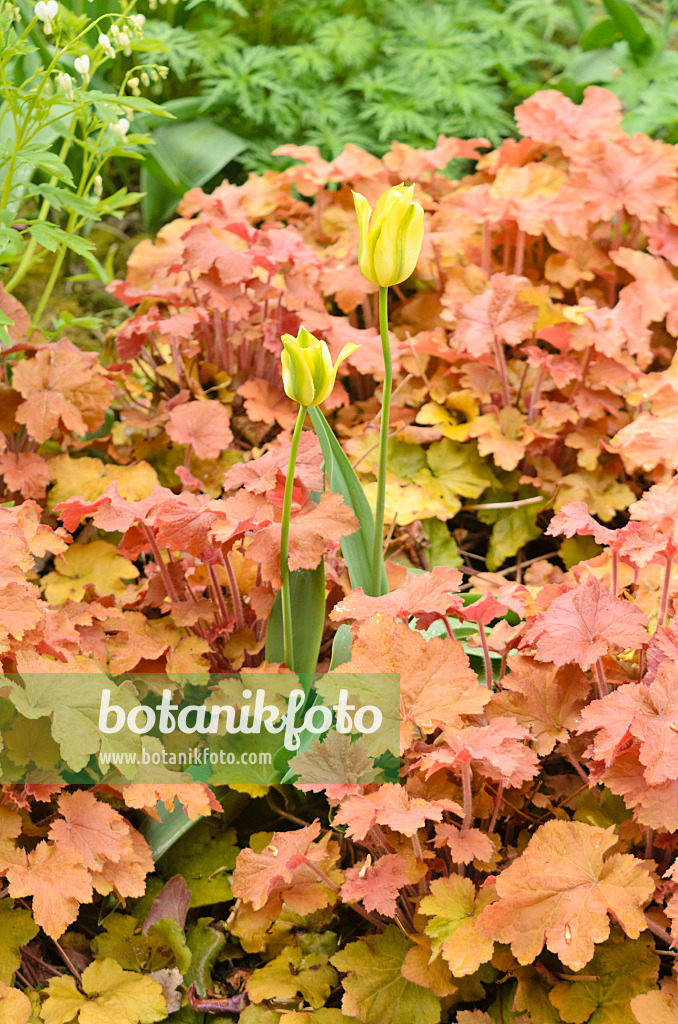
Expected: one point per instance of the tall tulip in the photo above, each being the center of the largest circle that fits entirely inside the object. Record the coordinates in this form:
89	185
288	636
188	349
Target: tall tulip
390	238
308	378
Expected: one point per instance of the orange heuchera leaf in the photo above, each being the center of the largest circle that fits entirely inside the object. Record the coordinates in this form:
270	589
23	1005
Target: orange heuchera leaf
203	425
256	874
648	441
464	844
20	609
392	806
637	174
261	475
126	876
654	806
658	507
659	1006
574	519
495	313
96	830
582	624
56	878
26	472
551	117
62	385
427	595
310	529
649	714
377	886
197	799
437	684
498	750
560	890
542	698
264	403
111	512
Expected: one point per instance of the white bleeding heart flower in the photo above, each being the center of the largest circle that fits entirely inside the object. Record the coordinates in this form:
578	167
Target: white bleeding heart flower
46	12
106	45
65	82
121	127
82	67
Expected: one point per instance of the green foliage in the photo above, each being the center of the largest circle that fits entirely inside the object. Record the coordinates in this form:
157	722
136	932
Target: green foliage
631	51
360	71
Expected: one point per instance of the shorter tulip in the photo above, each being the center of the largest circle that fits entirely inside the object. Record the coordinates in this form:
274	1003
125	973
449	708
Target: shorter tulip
308	374
390	235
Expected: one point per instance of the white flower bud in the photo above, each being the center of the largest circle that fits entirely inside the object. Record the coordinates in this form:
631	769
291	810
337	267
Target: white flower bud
98	185
82	67
121	127
133	86
65	82
163	70
115	31
46	13
138	20
145	80
105	44
124	41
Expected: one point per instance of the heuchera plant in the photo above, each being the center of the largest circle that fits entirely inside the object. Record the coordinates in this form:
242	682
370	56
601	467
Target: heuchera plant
525	868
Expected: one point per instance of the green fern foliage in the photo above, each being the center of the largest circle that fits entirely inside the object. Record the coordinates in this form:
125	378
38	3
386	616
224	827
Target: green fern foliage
328	72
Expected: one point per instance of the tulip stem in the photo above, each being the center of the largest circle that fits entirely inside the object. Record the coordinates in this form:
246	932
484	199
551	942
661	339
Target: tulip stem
285	537
377	550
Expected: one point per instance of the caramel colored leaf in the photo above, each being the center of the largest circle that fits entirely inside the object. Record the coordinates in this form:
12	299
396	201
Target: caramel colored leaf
56	879
559	892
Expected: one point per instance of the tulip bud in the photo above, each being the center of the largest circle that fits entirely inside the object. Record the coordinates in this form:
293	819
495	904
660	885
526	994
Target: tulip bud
308	374
390	235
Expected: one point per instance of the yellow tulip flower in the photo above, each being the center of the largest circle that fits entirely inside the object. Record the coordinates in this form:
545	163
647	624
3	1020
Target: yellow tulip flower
308	374
390	235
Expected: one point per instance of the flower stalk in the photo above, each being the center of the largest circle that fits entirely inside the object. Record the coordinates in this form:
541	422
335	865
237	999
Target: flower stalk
285	537
378	545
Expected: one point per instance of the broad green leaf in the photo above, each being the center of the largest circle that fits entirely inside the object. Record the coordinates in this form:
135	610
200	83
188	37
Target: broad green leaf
512	527
122	941
453	907
205	944
375	990
162	835
442	547
630	26
459	469
292	973
204	856
341	646
186	155
17	927
356	548
110	994
620	970
307	593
